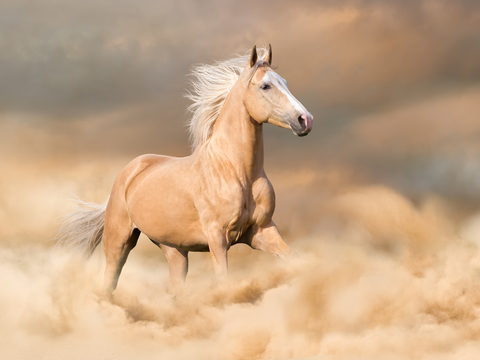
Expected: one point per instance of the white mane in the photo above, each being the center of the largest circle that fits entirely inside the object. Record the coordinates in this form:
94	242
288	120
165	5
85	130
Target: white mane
209	89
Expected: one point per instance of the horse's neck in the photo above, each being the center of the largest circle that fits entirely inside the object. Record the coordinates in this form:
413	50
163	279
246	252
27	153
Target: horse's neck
238	138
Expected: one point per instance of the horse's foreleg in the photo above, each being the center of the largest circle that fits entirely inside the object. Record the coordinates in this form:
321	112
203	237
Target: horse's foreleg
217	243
177	265
269	240
117	245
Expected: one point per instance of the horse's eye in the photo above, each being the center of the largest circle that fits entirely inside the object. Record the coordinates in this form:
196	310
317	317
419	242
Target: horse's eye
265	87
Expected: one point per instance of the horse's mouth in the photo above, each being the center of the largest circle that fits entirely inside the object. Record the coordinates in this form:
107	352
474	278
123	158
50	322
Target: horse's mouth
301	134
305	133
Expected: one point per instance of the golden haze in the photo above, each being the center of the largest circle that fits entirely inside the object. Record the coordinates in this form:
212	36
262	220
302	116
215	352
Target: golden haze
381	200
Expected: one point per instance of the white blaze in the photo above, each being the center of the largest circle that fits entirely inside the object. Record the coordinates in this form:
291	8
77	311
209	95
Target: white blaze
280	83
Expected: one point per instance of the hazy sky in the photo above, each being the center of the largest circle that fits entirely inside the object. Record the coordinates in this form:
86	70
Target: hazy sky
107	77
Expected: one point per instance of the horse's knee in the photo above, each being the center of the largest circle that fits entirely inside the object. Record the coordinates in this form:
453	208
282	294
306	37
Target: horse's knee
268	239
120	242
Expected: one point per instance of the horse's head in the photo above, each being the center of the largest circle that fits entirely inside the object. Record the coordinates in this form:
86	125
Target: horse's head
268	99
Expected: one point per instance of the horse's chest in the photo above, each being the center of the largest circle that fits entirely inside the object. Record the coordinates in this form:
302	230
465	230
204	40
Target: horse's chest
238	225
256	206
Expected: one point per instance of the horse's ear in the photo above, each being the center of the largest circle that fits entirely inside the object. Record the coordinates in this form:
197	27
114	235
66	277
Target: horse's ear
269	55
253	57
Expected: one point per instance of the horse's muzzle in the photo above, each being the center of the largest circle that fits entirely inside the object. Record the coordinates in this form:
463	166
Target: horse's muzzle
305	123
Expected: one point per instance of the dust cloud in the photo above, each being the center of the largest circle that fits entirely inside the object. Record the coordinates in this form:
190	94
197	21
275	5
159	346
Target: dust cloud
379	277
385	271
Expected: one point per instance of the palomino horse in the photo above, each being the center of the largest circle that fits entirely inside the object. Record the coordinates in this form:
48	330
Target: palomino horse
216	197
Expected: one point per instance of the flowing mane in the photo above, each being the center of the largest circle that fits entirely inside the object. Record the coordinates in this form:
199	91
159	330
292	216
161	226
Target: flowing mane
209	89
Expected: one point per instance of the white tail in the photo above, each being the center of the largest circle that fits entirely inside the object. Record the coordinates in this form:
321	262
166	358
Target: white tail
82	229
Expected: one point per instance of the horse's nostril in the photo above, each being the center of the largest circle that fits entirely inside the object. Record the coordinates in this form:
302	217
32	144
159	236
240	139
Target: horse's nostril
301	121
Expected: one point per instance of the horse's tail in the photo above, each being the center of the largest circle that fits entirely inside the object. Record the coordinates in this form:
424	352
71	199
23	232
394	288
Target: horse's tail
82	229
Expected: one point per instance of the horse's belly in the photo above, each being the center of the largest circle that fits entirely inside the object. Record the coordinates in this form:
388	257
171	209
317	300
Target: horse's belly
168	218
178	233
169	226
183	241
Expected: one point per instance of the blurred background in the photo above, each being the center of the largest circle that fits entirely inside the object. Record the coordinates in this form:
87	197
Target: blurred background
391	167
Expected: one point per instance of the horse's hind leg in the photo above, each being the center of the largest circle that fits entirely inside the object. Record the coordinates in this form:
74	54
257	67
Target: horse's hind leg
117	244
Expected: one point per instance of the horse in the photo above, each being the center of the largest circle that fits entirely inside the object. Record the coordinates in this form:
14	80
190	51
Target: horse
214	198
